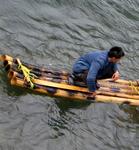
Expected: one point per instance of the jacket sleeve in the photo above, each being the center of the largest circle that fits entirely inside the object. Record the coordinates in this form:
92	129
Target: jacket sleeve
92	74
116	67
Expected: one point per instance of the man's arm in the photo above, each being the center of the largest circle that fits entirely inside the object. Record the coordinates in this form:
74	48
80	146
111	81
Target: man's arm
92	74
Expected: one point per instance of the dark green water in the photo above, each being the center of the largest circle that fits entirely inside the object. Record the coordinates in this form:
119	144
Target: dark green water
55	33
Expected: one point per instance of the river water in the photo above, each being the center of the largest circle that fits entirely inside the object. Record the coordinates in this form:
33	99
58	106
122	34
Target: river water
54	33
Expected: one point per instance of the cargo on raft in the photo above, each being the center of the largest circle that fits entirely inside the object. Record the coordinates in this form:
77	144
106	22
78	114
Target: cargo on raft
58	84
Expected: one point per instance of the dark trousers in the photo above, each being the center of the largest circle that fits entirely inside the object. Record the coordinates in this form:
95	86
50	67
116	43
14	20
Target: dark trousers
81	77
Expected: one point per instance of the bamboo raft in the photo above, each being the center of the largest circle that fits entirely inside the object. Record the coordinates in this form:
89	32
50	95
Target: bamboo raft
56	83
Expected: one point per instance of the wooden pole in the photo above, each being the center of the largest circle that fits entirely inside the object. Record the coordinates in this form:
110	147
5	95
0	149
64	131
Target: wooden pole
103	83
106	90
7	58
78	95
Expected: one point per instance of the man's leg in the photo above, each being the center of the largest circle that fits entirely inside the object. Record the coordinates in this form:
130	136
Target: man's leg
80	78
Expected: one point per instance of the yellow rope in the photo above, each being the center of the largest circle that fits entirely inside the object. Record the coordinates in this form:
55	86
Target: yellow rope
134	88
26	72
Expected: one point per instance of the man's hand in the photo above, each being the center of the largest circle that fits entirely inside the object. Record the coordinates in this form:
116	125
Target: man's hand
94	94
116	76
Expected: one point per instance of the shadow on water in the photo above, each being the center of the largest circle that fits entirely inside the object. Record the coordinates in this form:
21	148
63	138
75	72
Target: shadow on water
66	104
65	116
133	112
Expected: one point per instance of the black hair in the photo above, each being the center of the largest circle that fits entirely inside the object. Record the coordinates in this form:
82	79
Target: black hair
116	52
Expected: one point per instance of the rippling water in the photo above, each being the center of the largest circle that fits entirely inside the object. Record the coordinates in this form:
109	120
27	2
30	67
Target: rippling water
55	33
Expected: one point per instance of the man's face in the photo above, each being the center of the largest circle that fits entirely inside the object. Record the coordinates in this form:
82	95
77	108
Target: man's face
114	59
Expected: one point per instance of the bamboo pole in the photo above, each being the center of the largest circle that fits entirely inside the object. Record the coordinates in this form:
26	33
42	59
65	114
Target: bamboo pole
12	74
103	83
119	94
42	73
77	88
102	90
78	95
111	90
7	58
122	81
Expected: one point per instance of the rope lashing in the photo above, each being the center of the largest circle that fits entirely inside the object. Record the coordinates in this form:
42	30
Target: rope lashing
133	87
28	76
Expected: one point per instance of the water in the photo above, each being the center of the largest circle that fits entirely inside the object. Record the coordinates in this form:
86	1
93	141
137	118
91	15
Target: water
55	33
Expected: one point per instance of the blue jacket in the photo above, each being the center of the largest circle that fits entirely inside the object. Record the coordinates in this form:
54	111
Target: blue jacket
97	64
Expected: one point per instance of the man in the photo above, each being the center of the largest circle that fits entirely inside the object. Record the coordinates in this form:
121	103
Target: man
97	65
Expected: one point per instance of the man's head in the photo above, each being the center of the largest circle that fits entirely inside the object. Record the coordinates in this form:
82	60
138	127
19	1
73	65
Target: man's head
115	54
